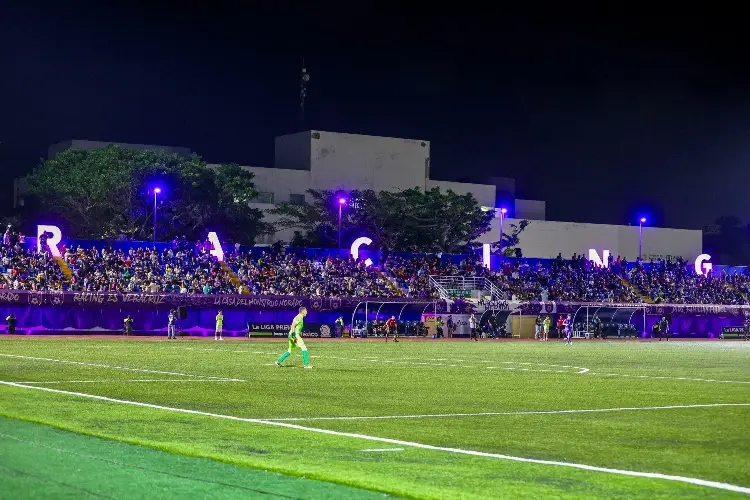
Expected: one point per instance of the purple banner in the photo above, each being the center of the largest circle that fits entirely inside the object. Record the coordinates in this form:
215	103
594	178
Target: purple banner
169	301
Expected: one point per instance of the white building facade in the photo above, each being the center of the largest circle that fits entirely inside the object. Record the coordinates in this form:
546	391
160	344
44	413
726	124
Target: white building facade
547	239
346	162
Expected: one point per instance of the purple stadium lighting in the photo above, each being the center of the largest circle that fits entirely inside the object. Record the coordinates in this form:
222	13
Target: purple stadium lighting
342	202
641	221
157	191
503	211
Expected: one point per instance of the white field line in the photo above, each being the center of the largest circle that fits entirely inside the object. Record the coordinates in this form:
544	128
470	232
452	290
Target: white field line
99	365
398	442
660	377
406	362
117	381
383	449
581	370
492	413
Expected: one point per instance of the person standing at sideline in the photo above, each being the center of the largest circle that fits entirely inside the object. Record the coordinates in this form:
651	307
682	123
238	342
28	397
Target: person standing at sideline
538	328
339	326
545	327
170	325
128	325
568	328
219	326
391	328
11	319
473	327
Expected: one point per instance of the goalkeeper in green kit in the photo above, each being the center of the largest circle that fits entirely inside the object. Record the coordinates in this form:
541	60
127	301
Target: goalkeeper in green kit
295	339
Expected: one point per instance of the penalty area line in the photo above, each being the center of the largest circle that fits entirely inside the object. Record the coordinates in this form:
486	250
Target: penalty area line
492	413
117	381
398	442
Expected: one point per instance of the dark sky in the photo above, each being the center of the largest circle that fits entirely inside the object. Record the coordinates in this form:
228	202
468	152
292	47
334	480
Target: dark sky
604	115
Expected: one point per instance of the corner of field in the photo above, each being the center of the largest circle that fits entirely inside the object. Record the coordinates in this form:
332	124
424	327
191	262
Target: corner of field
187	452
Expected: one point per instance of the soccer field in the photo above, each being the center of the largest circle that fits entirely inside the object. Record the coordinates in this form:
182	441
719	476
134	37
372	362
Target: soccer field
493	419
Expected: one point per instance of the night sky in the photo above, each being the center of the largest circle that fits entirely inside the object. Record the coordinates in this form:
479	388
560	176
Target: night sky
606	117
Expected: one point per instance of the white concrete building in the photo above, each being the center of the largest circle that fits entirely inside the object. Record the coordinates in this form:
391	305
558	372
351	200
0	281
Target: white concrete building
546	239
334	161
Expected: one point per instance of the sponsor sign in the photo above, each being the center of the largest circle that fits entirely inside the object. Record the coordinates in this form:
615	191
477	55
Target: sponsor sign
732	332
311	330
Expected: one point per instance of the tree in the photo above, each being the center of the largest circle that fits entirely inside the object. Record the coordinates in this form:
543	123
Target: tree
406	220
511	241
444	222
316	222
104	193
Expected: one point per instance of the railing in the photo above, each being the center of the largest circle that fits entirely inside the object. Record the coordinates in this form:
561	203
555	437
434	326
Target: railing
441	290
495	292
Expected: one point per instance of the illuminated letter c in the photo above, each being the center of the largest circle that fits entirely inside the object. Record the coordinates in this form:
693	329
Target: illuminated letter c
355	248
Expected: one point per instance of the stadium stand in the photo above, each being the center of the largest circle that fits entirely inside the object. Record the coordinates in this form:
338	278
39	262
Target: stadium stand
186	268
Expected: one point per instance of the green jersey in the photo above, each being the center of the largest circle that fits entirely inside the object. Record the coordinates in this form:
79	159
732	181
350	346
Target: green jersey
297	326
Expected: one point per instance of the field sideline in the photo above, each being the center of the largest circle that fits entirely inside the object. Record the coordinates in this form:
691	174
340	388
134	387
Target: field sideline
414	419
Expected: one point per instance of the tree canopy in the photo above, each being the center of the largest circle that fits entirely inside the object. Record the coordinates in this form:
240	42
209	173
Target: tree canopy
108	192
409	220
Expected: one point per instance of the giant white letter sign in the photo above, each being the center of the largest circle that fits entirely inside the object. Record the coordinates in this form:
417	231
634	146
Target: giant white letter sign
52	241
355	248
217	252
594	257
702	268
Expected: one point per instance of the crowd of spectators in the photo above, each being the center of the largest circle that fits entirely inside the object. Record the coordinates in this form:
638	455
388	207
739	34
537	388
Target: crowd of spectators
412	274
278	273
577	279
190	269
675	282
22	270
142	270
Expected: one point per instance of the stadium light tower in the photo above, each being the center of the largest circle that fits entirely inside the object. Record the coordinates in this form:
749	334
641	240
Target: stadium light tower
641	221
342	202
503	211
157	191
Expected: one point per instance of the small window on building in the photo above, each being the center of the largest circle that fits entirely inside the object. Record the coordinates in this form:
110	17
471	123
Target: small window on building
297	199
264	197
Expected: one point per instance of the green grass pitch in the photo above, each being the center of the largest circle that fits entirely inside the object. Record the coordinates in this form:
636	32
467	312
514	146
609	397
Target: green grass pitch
208	419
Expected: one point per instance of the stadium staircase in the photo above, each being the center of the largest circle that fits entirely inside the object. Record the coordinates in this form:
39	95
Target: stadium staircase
645	298
67	273
392	282
234	279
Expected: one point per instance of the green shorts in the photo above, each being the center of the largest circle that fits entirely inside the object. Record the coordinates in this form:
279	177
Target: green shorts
299	343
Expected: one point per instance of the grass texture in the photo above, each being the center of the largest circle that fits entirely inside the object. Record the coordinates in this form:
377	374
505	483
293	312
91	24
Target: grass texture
246	416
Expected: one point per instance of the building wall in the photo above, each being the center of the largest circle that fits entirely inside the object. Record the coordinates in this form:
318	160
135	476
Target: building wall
292	151
530	209
350	161
545	239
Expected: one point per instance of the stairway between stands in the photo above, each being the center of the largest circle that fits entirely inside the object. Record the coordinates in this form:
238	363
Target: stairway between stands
235	280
